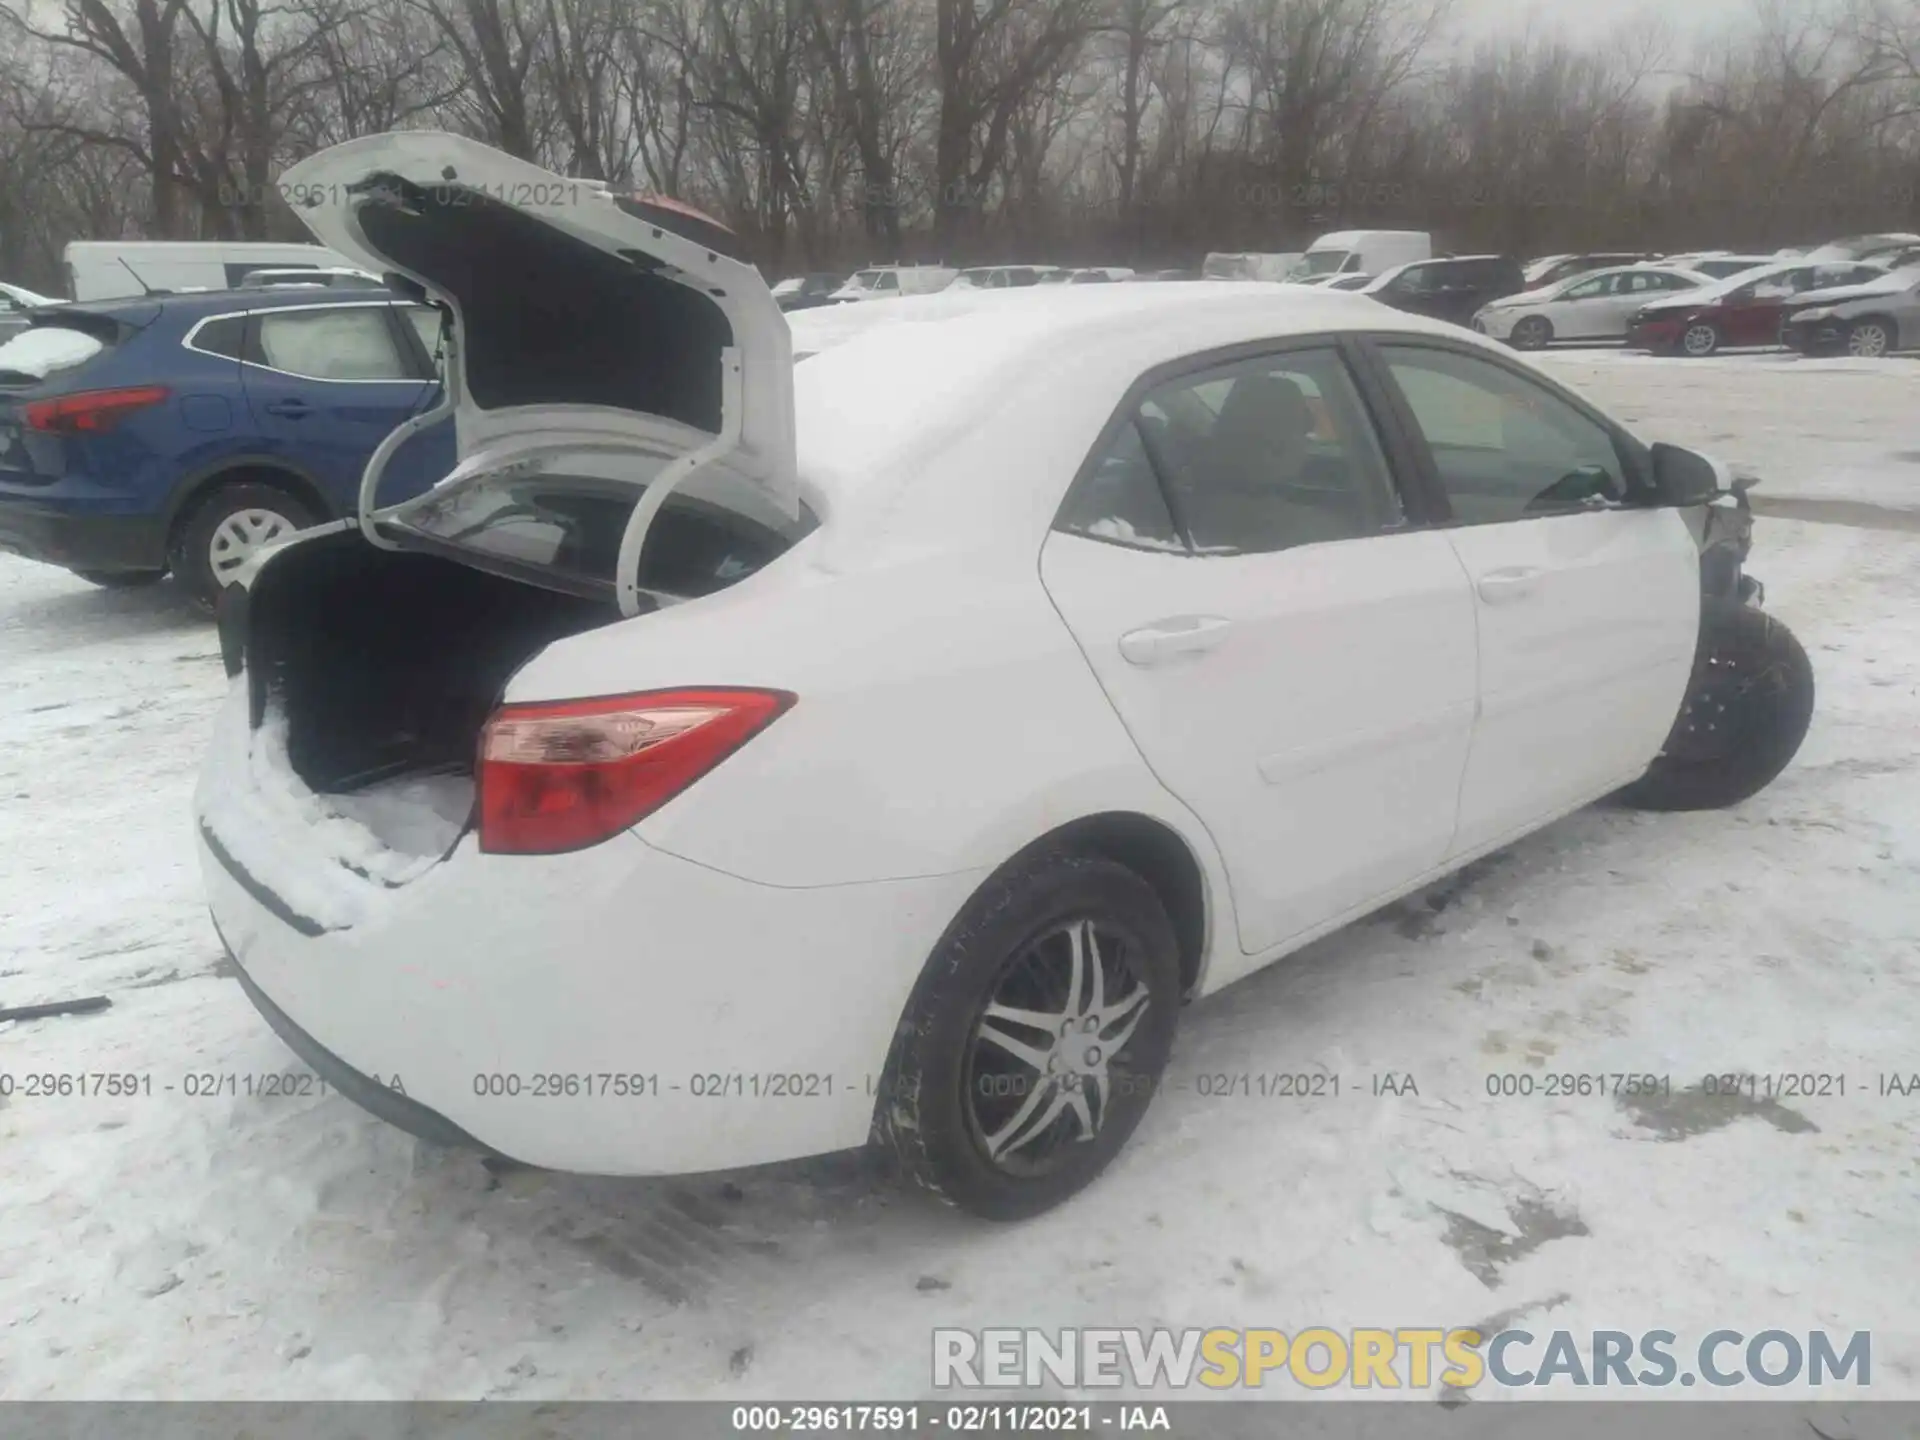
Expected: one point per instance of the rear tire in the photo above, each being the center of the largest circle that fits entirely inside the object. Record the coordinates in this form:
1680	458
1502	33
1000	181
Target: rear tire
226	527
1533	333
964	1116
121	579
1749	703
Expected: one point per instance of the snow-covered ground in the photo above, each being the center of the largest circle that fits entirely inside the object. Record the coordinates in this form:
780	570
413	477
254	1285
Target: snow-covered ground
156	1245
1839	429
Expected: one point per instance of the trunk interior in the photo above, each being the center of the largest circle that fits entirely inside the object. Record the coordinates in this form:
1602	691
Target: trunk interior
385	666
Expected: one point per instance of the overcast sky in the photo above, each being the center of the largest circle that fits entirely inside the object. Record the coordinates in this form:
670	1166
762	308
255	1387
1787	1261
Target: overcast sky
1585	19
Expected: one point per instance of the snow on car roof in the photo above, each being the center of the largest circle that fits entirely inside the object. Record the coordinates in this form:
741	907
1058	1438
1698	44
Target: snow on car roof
884	390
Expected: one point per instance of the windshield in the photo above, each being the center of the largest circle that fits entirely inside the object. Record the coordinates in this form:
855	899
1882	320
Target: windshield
1323	262
864	280
791	286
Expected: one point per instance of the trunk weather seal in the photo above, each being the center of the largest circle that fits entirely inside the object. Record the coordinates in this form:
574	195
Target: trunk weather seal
268	901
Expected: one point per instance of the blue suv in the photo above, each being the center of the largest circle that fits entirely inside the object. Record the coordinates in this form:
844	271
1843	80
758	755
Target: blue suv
179	433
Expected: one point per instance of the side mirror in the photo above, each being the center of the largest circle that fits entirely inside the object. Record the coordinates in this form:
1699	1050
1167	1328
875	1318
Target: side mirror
1683	478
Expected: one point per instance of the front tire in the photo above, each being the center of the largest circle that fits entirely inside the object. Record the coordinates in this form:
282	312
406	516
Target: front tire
1749	703
1533	333
1035	1038
1870	339
227	528
1700	339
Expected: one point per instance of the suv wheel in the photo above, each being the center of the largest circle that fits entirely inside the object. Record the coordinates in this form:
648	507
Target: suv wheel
227	529
1035	1038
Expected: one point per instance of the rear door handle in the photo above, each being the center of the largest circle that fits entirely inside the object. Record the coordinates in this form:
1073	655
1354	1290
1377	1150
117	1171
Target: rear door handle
1169	639
1497	587
290	409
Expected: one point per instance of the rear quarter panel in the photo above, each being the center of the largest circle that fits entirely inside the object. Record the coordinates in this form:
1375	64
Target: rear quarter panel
945	719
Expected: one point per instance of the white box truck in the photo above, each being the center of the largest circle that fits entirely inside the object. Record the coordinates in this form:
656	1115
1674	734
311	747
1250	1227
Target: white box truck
1365	252
110	269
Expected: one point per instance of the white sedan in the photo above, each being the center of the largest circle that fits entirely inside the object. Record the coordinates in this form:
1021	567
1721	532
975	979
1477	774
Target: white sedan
1596	305
734	760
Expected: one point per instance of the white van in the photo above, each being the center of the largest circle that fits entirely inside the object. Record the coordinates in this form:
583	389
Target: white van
885	282
1270	265
1365	252
110	269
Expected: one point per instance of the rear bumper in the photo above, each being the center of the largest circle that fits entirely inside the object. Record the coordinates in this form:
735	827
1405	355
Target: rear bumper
614	1011
81	541
378	1098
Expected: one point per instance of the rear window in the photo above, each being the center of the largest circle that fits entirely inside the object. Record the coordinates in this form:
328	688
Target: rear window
45	350
570	526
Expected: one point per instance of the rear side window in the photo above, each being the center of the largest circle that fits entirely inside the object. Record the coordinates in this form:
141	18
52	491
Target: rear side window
1121	500
346	344
225	337
1250	458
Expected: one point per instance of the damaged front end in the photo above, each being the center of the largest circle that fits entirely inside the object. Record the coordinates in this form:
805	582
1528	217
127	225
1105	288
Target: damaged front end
1725	534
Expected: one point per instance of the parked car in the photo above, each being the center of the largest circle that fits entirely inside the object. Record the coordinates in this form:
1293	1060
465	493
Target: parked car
1869	320
1742	310
687	784
803	292
888	282
1273	265
1159	275
1552	269
1589	305
1864	247
1001	277
181	433
15	302
1718	264
1453	289
1087	275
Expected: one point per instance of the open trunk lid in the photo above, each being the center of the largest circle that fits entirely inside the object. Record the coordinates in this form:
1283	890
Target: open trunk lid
591	334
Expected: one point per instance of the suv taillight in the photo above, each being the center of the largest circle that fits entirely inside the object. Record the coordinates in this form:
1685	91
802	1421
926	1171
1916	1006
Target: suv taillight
563	775
91	411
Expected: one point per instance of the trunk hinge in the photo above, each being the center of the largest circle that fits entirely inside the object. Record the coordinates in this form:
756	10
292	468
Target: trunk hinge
634	539
364	513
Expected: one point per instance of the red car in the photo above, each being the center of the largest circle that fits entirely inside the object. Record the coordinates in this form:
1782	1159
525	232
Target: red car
1744	309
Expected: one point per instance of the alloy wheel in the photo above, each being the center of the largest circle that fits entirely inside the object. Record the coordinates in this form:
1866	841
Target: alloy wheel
1048	1048
238	537
1700	340
1868	340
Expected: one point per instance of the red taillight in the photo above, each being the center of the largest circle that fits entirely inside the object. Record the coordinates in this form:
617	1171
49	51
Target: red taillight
92	411
567	774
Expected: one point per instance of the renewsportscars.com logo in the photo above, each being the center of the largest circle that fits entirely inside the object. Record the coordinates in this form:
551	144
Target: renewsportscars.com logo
1320	1358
